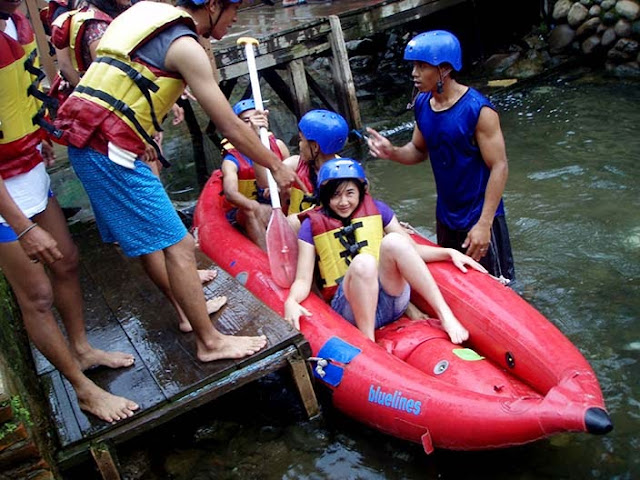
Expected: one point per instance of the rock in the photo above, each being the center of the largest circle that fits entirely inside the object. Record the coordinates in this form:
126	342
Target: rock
608	4
628	9
577	14
608	37
622	28
561	9
560	38
609	18
595	11
627	45
525	68
499	62
361	63
635	28
586	3
625	70
590	45
588	28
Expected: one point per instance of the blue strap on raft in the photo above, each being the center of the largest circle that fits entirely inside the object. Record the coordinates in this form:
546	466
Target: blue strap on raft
338	353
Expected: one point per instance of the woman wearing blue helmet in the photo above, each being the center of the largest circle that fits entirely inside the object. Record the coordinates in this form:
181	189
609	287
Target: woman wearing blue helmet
141	69
355	239
458	130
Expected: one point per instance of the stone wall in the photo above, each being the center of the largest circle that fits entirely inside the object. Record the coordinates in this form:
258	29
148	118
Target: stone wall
605	30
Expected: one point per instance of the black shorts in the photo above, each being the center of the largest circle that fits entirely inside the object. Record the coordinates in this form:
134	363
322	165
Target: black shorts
498	260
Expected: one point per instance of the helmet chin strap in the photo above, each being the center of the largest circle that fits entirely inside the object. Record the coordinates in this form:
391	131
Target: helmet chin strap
440	82
4	16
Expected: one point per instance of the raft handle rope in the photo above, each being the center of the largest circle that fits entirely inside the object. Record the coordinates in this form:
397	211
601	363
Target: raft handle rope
320	364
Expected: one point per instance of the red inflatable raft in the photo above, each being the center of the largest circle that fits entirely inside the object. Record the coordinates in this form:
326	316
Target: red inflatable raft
517	379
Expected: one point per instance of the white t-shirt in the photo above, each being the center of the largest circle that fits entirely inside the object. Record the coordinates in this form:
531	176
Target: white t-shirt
29	190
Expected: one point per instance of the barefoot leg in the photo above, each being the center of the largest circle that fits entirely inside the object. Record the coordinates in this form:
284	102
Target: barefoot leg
207	276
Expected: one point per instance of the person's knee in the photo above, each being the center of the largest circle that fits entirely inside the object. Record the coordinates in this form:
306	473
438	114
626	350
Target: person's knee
38	298
364	266
68	265
394	243
182	252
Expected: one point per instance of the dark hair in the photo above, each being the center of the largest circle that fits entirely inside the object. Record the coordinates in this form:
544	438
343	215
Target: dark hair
110	7
329	189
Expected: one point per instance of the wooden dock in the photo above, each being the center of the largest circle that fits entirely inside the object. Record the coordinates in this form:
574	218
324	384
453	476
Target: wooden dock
290	35
126	312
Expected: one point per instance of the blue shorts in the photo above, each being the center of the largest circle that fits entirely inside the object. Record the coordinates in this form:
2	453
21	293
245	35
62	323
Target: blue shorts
389	308
7	234
131	206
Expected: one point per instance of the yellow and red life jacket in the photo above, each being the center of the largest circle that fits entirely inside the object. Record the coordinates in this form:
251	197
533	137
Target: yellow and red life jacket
336	244
298	201
119	99
247	185
68	30
22	104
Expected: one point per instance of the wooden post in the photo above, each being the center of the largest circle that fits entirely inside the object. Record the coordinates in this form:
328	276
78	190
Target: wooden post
342	79
301	376
300	86
41	39
105	462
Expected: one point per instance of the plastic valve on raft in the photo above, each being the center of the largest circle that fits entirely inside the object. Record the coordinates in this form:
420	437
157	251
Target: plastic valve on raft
598	421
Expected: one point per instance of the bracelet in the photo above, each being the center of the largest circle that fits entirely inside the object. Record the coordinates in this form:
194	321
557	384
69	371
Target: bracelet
27	230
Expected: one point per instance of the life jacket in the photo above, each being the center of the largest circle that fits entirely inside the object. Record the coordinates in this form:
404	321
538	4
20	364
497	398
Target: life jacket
298	200
23	106
247	185
68	30
336	245
138	95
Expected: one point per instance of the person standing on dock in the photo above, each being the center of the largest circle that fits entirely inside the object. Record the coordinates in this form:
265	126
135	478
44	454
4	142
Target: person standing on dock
248	208
140	71
33	229
458	130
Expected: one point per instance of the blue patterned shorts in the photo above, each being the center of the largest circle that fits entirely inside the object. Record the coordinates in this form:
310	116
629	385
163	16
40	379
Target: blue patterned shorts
131	206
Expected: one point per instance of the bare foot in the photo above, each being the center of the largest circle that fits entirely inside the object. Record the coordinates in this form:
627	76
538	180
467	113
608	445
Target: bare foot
104	405
216	303
95	357
213	305
207	275
454	328
229	346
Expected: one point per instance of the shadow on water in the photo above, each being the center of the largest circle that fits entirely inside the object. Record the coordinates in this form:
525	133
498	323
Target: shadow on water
573	207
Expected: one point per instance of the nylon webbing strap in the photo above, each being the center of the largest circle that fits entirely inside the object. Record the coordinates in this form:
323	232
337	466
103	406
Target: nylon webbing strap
127	112
351	248
143	83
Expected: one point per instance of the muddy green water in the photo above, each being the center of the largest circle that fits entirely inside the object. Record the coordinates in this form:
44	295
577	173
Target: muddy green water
573	208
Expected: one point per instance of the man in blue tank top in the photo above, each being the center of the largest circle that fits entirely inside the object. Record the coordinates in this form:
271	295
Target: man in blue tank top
458	129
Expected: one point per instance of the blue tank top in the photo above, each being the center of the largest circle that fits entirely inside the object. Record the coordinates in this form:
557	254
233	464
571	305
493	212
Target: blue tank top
458	168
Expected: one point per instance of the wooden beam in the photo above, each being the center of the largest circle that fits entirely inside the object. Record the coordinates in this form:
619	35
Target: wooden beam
329	103
41	39
342	78
300	87
105	461
300	373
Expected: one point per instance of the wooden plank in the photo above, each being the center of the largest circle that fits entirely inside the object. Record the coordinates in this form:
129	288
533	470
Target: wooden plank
342	78
149	419
105	461
300	87
301	376
67	427
41	39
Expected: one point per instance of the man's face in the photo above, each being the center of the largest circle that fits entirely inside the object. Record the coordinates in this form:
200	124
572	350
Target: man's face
8	7
227	18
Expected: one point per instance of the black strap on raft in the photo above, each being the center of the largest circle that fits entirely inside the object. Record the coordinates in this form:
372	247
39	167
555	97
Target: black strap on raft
144	84
126	110
347	239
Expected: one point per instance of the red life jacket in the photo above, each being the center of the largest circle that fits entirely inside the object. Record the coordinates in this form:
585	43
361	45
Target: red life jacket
21	106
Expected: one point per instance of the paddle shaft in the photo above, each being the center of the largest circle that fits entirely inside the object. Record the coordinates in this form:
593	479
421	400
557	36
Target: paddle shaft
257	98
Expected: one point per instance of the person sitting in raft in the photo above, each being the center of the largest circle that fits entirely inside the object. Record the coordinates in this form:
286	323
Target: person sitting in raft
322	135
355	239
246	206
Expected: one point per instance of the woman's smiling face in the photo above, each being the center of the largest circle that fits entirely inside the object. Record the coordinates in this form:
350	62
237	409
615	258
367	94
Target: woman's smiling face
345	200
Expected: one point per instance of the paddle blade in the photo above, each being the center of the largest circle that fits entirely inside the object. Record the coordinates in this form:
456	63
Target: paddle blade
282	249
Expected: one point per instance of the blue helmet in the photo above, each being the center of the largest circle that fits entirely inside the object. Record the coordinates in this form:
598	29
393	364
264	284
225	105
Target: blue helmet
244	105
202	2
435	48
326	128
341	168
